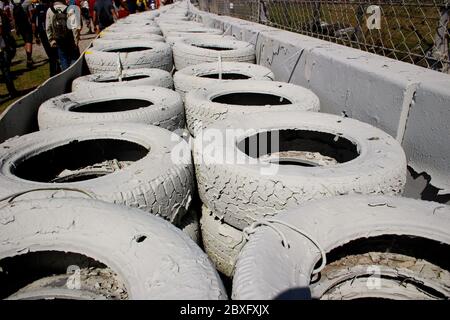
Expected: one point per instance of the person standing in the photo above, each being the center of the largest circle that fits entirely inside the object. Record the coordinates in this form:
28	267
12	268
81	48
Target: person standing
23	26
104	14
131	5
85	14
60	36
6	54
39	20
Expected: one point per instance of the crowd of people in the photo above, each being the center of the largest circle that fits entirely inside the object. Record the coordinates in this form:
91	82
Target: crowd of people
57	25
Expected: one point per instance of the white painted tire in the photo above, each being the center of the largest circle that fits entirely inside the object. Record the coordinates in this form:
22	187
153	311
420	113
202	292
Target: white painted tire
117	36
346	278
202	111
171	40
191	31
194	30
151	54
154	259
143	16
155	181
200	76
99	42
178	36
265	268
221	242
367	161
193	51
132	28
142	104
135	23
130	78
172	18
171	26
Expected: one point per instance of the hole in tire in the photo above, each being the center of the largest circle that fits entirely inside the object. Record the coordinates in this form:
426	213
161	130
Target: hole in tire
299	147
58	270
226	76
116	105
140	239
130	49
414	248
215	48
52	164
130	78
251	99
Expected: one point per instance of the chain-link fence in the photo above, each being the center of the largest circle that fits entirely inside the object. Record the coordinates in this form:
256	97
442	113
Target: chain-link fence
408	30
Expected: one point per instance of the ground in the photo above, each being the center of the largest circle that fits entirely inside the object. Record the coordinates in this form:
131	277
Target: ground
27	80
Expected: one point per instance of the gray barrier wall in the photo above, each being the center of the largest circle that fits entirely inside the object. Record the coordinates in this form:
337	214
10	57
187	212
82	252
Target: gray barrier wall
409	102
21	116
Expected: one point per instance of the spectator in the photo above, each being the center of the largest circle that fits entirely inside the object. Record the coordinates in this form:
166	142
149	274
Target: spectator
121	8
131	4
85	14
39	20
140	5
104	14
23	26
60	36
6	53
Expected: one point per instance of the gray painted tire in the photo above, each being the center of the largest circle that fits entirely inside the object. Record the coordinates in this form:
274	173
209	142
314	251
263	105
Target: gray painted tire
170	40
116	36
221	242
202	112
158	182
166	257
103	58
171	26
99	42
194	30
138	77
164	109
142	16
265	268
191	78
135	23
186	52
132	28
248	190
344	279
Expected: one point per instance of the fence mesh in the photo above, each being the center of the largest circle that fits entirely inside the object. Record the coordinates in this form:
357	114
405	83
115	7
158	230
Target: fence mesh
412	31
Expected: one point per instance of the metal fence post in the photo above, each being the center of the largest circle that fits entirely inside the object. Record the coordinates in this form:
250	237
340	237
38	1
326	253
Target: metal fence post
440	50
316	25
262	12
226	7
359	22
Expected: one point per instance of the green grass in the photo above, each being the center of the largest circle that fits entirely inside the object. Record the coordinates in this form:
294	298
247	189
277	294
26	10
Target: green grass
24	80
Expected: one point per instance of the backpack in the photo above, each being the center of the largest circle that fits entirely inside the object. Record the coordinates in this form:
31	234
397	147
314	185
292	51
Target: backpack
62	34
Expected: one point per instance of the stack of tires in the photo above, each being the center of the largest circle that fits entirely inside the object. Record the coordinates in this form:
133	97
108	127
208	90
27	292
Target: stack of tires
106	185
177	141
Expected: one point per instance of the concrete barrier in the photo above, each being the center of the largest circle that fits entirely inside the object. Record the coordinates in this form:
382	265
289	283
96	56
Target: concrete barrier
21	117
